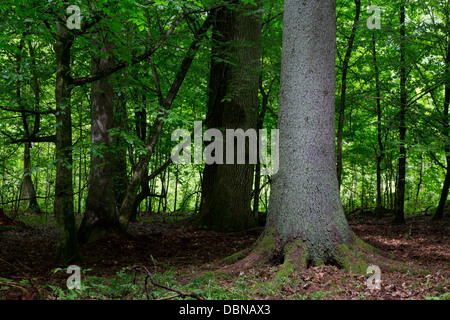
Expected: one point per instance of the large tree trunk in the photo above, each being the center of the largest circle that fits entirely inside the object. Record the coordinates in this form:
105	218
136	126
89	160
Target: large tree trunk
306	222
100	219
66	244
226	204
305	201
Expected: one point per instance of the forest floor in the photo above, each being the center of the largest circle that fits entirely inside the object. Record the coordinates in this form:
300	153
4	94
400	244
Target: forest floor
190	260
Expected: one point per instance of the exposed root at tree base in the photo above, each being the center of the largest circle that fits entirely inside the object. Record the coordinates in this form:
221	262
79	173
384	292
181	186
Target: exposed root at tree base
295	256
359	256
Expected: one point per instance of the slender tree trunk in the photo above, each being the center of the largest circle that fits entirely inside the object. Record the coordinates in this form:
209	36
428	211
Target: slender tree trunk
380	153
27	183
439	214
82	159
419	183
226	204
30	191
66	244
260	123
120	147
401	184
141	169
176	191
141	131
346	62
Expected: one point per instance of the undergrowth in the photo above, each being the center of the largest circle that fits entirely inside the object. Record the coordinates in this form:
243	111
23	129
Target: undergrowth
130	285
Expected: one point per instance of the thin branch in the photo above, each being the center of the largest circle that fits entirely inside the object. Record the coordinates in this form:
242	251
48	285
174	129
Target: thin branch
179	294
34	112
30	139
124	64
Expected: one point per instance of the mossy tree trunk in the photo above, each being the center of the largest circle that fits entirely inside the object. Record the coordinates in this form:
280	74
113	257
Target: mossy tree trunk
306	221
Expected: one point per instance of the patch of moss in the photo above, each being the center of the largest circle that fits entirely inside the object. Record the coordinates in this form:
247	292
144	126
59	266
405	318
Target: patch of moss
296	255
267	242
234	257
358	256
354	258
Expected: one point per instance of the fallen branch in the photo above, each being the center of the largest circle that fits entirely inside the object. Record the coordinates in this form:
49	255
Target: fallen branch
179	294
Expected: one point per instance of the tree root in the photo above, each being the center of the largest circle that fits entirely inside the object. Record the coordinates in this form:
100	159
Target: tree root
360	255
295	256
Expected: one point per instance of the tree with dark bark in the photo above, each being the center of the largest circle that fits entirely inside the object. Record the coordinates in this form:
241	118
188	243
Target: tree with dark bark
399	217
67	244
100	219
233	104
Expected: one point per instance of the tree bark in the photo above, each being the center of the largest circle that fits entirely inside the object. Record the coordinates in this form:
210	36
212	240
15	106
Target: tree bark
100	219
305	200
226	204
30	191
306	224
66	244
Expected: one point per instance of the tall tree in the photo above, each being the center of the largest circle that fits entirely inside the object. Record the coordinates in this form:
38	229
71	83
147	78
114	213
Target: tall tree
67	244
100	219
380	154
401	182
233	104
306	221
439	213
343	93
28	185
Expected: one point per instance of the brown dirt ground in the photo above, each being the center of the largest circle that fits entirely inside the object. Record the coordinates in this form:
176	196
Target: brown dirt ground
423	244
